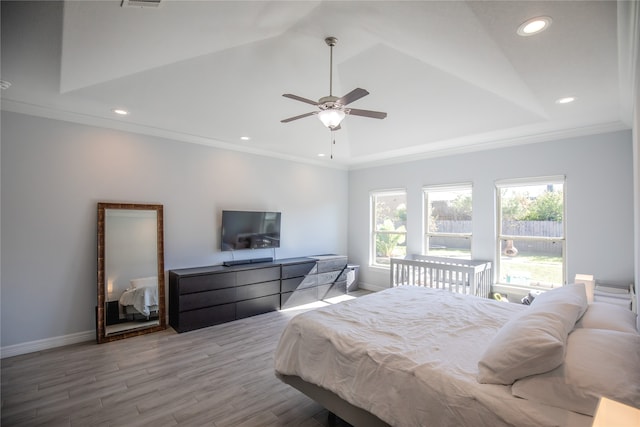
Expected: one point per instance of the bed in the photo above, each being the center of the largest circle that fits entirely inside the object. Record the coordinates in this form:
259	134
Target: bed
140	299
415	356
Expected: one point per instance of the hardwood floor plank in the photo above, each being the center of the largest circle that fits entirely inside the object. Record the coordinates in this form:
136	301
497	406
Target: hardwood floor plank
19	418
64	384
98	389
63	410
32	402
202	413
103	417
261	419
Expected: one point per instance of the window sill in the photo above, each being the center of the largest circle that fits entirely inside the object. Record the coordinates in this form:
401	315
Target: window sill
523	288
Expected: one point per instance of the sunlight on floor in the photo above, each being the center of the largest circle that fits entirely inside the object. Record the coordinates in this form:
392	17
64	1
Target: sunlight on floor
339	298
318	304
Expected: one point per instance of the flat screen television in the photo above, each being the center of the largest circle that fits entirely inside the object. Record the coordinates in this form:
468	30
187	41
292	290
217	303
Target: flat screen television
250	230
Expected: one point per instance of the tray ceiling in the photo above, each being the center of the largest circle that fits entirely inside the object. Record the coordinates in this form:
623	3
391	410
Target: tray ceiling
453	76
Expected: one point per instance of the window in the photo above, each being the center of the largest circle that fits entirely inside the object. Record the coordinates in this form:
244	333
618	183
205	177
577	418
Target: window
388	226
448	221
531	237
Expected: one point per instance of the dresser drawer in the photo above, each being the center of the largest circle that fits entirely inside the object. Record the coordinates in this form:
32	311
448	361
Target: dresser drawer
246	277
296	270
337	263
204	317
333	290
290	285
206	299
207	282
257	306
257	290
330	277
308	281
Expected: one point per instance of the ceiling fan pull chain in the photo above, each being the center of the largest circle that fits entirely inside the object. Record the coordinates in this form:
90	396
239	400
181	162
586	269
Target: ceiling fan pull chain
332	142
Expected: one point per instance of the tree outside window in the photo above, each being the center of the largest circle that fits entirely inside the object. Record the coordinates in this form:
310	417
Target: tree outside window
389	226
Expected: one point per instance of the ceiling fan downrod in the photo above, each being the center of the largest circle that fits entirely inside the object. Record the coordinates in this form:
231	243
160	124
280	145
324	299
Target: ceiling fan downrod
331	42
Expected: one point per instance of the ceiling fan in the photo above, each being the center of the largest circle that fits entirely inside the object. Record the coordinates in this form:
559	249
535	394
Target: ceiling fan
332	110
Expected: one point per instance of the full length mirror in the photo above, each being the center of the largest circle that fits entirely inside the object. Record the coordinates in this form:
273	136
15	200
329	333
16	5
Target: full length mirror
130	270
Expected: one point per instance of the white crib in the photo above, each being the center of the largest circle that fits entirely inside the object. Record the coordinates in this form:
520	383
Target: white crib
470	277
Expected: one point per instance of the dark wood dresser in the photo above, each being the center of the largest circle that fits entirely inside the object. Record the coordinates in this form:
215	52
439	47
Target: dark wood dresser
206	296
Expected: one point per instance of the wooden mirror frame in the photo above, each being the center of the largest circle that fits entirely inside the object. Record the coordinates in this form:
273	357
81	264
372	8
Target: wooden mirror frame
102	337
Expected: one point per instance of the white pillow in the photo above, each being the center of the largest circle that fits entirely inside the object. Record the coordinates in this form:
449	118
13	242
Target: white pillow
601	315
598	363
568	294
534	342
144	282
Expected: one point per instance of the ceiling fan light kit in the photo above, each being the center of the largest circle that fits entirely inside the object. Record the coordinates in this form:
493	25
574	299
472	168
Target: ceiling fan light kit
332	109
331	118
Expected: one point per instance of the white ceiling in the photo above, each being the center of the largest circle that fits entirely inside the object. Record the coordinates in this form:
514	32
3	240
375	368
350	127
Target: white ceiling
452	75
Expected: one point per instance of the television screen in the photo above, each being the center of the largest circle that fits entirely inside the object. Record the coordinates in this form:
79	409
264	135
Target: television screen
250	230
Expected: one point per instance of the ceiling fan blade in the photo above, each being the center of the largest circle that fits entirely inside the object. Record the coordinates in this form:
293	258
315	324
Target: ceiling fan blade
367	113
290	119
335	128
299	98
354	95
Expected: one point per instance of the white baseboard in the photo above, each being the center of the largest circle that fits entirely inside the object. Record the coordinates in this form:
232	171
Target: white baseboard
370	287
46	344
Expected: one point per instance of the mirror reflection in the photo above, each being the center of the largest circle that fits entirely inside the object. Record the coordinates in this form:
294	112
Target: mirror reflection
130	270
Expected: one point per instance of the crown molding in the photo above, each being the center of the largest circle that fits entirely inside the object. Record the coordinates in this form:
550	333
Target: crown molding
489	141
85	119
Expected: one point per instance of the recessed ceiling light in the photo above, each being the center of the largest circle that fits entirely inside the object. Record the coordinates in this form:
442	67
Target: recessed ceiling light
245	138
120	111
565	100
321	154
534	26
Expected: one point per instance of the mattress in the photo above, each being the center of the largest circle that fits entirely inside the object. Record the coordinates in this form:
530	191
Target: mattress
409	356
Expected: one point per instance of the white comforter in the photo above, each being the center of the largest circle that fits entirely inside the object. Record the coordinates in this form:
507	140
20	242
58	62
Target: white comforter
142	298
409	355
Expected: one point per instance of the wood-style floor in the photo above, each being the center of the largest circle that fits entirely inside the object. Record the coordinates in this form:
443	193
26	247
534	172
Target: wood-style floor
218	376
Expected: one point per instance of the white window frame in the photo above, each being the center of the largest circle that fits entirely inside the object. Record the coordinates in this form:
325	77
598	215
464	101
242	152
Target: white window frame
521	182
372	223
467	186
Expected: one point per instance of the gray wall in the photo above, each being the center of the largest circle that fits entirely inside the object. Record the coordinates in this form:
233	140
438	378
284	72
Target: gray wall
54	173
599	191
